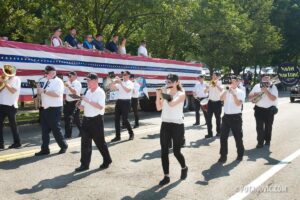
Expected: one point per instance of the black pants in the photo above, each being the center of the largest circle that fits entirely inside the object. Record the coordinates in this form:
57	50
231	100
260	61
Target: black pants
50	120
168	132
214	107
233	122
71	112
264	122
10	112
122	109
197	109
93	129
134	106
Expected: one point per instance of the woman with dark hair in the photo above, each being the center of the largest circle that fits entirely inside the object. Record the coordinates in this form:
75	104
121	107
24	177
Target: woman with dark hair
55	39
170	101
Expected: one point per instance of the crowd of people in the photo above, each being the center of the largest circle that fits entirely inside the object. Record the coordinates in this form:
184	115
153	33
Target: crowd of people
94	43
169	100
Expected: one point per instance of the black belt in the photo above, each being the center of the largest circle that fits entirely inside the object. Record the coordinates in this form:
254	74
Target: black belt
95	117
125	100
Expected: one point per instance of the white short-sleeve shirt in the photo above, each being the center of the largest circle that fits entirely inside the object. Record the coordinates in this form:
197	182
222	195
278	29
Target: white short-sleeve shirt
75	85
122	94
55	85
56	42
98	96
136	89
199	90
142	51
266	102
214	93
8	98
229	105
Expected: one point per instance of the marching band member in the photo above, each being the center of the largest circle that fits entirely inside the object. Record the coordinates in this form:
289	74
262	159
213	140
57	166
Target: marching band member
172	127
9	95
93	104
135	100
52	102
199	94
124	88
214	104
263	111
233	98
73	86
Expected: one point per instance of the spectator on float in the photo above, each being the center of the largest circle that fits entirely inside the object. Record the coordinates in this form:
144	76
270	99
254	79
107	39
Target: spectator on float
112	46
87	44
122	48
98	42
4	38
71	38
142	51
55	39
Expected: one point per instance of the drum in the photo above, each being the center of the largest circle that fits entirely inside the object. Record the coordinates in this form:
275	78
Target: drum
204	104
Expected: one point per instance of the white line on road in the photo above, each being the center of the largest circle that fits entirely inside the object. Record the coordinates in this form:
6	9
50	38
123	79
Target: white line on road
264	177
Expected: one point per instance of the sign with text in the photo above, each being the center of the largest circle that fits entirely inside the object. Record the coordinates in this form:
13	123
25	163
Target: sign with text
288	74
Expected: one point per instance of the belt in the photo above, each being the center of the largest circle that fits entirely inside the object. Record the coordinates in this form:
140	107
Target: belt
126	100
89	118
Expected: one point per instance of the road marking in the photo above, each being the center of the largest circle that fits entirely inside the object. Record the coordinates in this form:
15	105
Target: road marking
264	177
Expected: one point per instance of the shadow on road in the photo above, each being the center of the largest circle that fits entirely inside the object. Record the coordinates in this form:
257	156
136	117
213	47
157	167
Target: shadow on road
150	156
14	164
156	192
254	154
57	182
217	170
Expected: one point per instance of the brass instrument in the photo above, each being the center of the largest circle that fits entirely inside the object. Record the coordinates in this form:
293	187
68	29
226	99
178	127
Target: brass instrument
260	95
37	99
8	71
66	84
213	83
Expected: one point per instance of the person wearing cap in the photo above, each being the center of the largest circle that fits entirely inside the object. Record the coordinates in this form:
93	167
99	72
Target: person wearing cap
9	96
214	90
135	100
88	43
52	102
55	39
199	94
122	108
93	106
233	98
172	126
263	109
72	86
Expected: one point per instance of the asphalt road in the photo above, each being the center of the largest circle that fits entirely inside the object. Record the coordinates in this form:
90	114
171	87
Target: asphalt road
267	173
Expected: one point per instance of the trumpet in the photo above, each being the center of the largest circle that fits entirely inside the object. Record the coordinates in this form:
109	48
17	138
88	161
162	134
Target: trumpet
66	84
8	71
213	83
270	84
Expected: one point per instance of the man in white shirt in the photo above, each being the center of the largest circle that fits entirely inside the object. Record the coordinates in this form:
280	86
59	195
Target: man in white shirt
9	96
264	109
93	105
125	88
52	101
199	94
73	87
233	98
135	100
214	90
142	51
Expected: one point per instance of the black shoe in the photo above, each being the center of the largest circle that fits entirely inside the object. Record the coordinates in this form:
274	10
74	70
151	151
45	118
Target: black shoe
116	139
81	168
136	126
196	124
259	146
1	146
267	143
218	134
208	136
184	173
105	165
165	181
14	146
131	137
222	159
239	158
42	153
63	150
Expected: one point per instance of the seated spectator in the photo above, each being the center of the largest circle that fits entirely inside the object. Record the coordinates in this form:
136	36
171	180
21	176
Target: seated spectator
122	48
87	44
71	38
98	42
112	46
142	51
4	38
55	39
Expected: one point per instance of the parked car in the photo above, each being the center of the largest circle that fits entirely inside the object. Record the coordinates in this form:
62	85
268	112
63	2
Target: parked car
295	92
